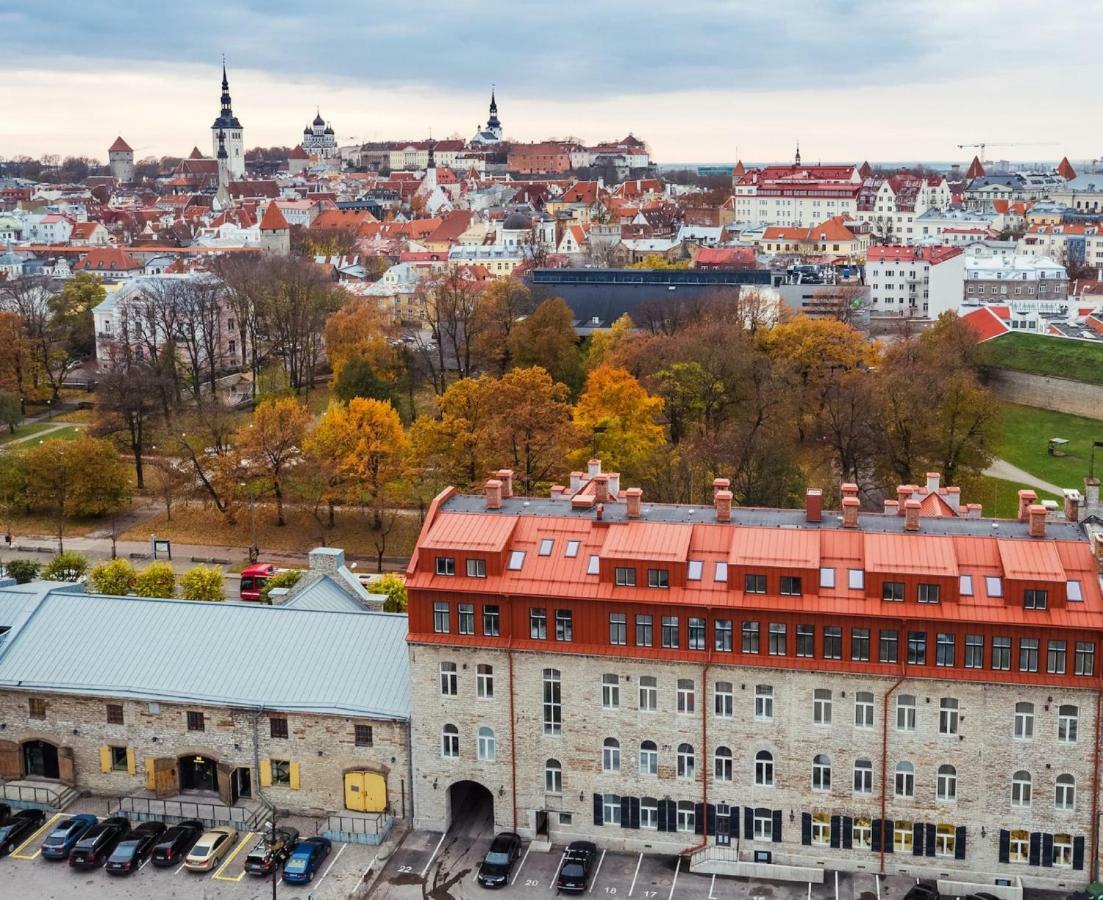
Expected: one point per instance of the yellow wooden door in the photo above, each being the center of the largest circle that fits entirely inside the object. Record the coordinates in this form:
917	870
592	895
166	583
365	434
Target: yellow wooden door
354	791
375	792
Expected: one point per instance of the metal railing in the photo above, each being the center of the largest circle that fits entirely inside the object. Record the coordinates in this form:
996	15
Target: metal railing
41	796
715	852
173	811
363	829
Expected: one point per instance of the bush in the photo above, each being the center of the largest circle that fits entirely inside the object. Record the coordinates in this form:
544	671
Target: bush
394	586
115	576
66	566
22	570
203	583
287	579
156	580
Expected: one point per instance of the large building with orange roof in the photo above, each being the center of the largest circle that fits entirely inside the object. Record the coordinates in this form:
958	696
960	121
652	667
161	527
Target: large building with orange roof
914	690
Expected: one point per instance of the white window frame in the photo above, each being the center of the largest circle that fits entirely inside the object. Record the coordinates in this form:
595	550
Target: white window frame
553	777
449	679
486	744
723	700
1023	725
905	712
484	681
948	715
649	693
1022	789
764	702
946	783
610	755
687	762
764	774
863	709
649	758
821	706
904	780
610	691
863	776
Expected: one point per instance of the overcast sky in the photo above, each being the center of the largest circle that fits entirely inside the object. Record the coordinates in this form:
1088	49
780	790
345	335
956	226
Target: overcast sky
700	80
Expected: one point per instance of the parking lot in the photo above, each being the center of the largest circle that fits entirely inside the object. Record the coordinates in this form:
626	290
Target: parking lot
26	875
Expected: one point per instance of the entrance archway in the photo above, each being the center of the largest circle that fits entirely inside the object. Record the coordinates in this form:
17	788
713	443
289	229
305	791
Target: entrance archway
40	760
198	773
470	808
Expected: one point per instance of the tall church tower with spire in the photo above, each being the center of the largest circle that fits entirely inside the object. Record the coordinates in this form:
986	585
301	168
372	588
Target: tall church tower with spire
224	176
228	126
492	124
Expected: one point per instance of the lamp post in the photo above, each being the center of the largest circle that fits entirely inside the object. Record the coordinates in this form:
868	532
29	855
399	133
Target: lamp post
276	813
254	550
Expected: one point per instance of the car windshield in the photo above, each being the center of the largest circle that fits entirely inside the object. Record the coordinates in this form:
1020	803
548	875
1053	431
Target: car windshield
200	850
124	851
572	870
296	864
497	859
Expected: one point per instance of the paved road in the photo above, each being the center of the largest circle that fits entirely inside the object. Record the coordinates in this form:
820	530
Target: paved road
1001	468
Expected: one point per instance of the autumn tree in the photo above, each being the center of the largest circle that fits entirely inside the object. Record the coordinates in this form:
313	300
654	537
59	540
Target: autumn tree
48	330
547	339
360	329
71	310
127	403
15	360
622	418
498	309
454	446
271	443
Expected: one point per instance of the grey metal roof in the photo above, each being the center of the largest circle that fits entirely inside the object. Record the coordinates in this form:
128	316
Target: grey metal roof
275	657
324	594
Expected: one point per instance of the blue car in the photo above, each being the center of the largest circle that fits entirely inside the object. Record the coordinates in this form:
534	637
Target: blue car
305	860
65	833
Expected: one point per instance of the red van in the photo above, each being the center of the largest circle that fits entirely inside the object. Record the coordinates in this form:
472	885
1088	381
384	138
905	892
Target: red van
253	578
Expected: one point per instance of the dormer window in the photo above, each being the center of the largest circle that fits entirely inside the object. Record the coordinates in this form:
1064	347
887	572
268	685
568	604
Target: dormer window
928	593
625	576
965	585
694	570
993	585
446	565
657	578
1035	599
1075	594
720	573
476	568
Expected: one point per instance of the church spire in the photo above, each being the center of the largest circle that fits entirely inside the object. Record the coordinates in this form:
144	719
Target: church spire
796	160
227	108
222	154
432	164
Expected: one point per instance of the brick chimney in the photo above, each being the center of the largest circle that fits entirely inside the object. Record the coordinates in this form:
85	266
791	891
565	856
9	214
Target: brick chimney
903	495
934	480
494	494
723	501
593	467
813	505
973	510
576	482
1072	504
633	498
892	508
1027	498
614	484
505	476
557	491
601	488
911	515
850	512
952	496
1036	515
720	484
849	490
1091	487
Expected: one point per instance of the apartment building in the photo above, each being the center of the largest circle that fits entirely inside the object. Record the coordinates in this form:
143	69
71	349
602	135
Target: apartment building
902	279
891	204
796	195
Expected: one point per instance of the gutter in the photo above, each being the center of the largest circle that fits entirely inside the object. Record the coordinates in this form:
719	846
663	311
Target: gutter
885	759
512	718
1095	788
704	739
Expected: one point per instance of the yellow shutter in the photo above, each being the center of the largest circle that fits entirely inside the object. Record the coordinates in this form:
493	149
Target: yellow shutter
266	773
294	776
151	774
131	766
105	759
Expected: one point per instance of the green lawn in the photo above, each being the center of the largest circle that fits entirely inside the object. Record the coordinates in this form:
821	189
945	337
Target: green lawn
23	431
1001	498
1026	430
1043	355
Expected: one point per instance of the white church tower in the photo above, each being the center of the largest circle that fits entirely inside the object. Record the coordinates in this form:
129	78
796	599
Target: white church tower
230	128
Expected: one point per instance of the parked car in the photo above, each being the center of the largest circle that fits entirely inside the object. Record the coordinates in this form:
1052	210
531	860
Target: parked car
98	842
210	848
5	811
65	834
498	862
17	828
305	859
922	891
134	848
574	873
268	854
175	843
253	579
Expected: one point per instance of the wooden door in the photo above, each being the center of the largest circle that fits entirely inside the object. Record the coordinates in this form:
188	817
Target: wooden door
166	782
66	765
11	761
375	792
225	784
354	791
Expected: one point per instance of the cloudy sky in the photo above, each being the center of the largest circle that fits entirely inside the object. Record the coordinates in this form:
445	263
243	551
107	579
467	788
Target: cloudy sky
700	80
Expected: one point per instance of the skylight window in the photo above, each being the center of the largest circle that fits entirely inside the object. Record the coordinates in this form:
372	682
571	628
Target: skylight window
1074	592
965	585
993	585
827	577
693	573
546	546
856	579
516	560
594	565
721	572
572	549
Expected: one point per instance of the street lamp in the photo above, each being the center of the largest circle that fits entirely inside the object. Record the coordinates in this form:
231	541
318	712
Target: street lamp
254	550
276	813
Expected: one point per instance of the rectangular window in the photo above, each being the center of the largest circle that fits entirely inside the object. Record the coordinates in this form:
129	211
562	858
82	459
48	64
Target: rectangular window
476	568
790	586
625	576
546	545
1085	657
593	565
441	617
195	722
821	706
806	640
763	702
572	549
1055	658
446	565
114	714
750	637
722	632
36	708
649	693
362	735
974	651
694	570
618	629
892	590
449	679
1075	594
516	560
856	579
965	585
538	624
491	621
859	644
670	632
1001	654
928	593
1035	599
993	585
281	772
947	715
695	633
832	642
1028	654
553	702
863	709
945	647
777	639
610	692
827	578
465	618
888	651
917	648
564	625
657	578
277	727
119	760
720	572
687	699
754	584
724	699
484	681
644	631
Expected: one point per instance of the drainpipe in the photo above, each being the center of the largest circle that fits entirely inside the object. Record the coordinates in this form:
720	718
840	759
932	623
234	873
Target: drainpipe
885	755
512	719
704	741
1095	789
409	767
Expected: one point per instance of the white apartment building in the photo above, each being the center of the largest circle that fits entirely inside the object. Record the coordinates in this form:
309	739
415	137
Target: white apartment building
1026	283
902	280
796	195
893	204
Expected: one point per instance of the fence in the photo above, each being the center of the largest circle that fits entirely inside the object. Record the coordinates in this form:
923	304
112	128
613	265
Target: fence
361	829
245	817
36	796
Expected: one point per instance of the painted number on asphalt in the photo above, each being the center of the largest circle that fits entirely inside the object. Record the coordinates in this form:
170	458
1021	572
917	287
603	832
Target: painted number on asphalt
531	882
610	890
402	869
651	893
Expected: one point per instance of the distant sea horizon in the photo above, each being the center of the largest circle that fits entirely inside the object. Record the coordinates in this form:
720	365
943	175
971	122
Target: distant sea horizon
940	165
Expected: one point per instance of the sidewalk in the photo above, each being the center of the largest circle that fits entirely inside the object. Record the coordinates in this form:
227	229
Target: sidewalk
1001	468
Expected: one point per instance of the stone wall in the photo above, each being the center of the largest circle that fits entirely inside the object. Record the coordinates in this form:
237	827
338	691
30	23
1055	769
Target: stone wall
1047	392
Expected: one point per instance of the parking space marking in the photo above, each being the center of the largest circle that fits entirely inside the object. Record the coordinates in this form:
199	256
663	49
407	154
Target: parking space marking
712	884
593	880
677	869
331	865
432	856
249	836
555	877
18	853
146	863
635	875
181	869
520	867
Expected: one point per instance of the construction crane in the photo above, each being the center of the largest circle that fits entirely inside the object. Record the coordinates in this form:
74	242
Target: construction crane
984	144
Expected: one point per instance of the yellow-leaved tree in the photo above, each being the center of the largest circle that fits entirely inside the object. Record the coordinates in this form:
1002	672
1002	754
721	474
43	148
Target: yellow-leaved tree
269	444
620	418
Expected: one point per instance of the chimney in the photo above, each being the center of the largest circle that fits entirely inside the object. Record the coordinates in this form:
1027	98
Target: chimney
601	488
1091	487
557	491
911	515
1027	497
594	467
599	512
903	495
850	512
1072	504
933	481
813	505
505	476
892	508
953	498
633	497
720	484
614	484
1037	516
850	490
723	502
576	482
973	510
494	494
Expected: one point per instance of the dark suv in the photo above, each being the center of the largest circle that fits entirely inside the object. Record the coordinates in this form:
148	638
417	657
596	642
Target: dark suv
92	850
16	829
174	844
268	854
498	862
574	873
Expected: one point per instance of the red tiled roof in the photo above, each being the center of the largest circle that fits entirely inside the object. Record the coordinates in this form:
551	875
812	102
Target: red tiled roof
985	323
902	253
120	146
273	219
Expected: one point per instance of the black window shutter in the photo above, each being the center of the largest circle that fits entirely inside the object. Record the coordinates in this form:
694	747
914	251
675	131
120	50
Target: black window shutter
733	822
930	839
1005	845
890	835
836	831
777	826
1047	850
698	818
599	809
625	812
661	816
1078	853
848	832
634	812
1035	848
748	822
671	815
875	836
710	818
917	839
959	843
806	828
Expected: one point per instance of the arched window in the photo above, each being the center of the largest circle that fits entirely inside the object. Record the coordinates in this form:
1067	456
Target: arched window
1024	721
947	783
764	768
486	743
610	755
821	773
723	764
905	779
685	761
863	776
450	742
905	712
1020	788
553	777
1066	792
649	758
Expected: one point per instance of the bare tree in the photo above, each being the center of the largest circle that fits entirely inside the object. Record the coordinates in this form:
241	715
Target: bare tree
30	298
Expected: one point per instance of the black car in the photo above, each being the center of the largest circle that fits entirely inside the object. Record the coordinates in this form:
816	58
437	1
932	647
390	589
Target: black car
268	854
498	862
574	872
16	829
922	891
92	850
173	845
132	850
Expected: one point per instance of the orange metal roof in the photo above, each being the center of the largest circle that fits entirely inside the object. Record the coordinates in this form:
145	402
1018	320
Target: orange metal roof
918	554
457	531
1031	561
775	547
655	541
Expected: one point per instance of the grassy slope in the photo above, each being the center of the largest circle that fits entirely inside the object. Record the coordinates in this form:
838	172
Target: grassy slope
1026	431
1043	355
